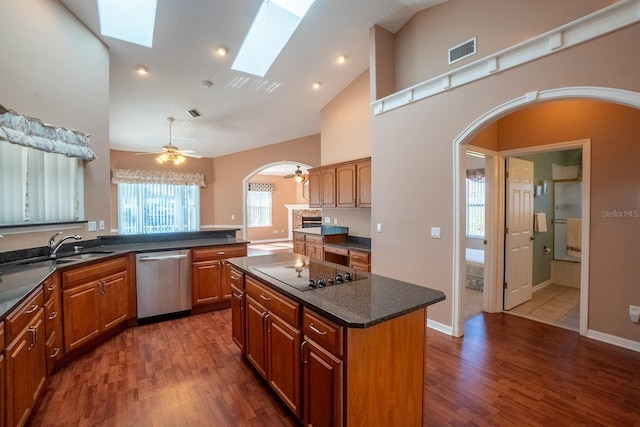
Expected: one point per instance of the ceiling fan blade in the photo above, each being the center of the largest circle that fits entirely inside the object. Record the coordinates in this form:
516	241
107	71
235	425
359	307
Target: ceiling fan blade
291	175
195	156
143	154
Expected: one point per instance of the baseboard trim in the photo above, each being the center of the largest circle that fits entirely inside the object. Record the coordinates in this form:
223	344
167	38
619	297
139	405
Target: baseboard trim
440	327
614	340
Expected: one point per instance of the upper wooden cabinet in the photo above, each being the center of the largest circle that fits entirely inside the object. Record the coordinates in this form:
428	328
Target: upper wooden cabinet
343	185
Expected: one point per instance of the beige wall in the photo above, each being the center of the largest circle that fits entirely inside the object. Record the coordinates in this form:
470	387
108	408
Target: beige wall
287	191
346	123
422	44
53	68
128	160
230	171
413	178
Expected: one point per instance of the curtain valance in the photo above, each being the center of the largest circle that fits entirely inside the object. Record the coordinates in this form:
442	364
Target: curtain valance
257	186
29	132
123	176
475	174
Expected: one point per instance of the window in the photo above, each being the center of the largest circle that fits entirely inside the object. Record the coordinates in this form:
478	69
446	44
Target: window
38	187
158	208
475	203
259	208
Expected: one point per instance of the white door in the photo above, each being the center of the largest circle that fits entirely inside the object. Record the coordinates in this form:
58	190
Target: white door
518	256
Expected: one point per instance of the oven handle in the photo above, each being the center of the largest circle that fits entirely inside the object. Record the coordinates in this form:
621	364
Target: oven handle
162	257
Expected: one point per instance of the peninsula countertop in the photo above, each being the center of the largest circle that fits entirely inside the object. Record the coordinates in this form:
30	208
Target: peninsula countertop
362	303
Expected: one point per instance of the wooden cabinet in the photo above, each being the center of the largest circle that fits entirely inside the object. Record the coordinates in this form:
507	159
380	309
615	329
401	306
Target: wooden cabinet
273	341
209	286
313	246
359	260
238	321
322	187
322	376
26	366
343	185
94	301
53	320
363	183
298	243
3	375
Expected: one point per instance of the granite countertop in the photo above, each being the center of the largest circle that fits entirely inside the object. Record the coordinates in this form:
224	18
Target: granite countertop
18	281
362	303
323	230
353	242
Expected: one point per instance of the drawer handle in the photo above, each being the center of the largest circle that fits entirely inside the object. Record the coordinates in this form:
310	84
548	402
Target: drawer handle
316	330
265	298
55	353
53	315
51	288
221	253
32	309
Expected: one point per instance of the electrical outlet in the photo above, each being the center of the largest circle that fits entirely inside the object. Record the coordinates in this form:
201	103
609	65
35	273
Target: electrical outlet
233	217
379	228
327	220
634	313
435	232
101	225
91	226
335	221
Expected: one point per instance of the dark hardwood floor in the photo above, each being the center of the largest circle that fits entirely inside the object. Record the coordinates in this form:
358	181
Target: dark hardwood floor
506	371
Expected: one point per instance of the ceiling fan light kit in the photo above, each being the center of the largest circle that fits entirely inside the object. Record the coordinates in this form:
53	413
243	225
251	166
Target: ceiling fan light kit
297	175
170	153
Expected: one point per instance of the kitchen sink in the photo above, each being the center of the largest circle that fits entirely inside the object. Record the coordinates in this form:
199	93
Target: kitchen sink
64	259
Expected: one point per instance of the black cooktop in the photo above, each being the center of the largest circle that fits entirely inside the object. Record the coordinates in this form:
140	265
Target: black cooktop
306	274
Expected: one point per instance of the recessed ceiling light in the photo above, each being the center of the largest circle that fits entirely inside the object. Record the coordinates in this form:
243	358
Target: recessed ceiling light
142	70
221	50
342	58
316	85
206	83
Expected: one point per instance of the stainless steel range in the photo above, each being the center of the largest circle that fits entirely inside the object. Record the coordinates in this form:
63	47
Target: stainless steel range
306	274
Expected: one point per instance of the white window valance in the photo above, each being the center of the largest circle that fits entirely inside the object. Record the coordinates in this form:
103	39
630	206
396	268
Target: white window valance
258	186
29	132
123	176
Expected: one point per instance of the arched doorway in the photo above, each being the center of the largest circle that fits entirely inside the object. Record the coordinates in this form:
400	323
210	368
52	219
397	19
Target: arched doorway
280	169
496	236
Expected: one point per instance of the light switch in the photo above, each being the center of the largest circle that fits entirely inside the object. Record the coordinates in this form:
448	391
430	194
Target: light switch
435	232
101	225
379	228
91	226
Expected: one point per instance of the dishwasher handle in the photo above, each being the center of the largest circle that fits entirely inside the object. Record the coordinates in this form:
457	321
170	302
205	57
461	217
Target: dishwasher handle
162	257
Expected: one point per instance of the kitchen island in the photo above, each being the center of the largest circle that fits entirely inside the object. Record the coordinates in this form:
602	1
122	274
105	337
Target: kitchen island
348	351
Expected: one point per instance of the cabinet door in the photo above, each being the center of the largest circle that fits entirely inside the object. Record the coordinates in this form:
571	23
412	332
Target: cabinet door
314	251
315	189
322	387
81	310
283	343
328	187
26	371
2	392
227	276
298	243
256	342
237	317
363	180
113	301
346	186
206	282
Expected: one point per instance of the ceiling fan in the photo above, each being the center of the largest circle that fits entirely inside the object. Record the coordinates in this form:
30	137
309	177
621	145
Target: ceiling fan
298	175
171	153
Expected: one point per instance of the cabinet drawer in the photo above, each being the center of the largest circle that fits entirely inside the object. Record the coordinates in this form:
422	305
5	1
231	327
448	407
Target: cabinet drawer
298	237
20	317
272	301
337	251
236	277
50	286
310	238
323	331
359	257
51	316
53	351
83	275
218	252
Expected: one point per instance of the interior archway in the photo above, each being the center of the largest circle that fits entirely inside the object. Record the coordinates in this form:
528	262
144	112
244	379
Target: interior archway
616	96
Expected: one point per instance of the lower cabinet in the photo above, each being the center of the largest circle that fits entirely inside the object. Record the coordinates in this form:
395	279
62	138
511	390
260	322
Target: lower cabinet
94	300
26	366
209	284
273	341
53	320
359	260
238	321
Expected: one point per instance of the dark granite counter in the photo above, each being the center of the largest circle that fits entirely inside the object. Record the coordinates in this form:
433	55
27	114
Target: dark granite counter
323	230
18	280
362	303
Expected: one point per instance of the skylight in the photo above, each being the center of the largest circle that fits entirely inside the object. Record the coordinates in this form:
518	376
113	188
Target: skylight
130	21
272	28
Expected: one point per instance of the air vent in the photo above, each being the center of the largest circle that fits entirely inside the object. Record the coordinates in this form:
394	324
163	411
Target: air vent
462	50
194	112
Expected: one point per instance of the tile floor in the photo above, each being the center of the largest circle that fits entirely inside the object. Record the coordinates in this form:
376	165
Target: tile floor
554	304
269	248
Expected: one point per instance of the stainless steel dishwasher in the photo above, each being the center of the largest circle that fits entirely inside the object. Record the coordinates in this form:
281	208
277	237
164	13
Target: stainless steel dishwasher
163	283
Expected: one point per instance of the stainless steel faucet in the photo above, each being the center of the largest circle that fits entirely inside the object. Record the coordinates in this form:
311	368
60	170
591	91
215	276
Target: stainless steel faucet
55	246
